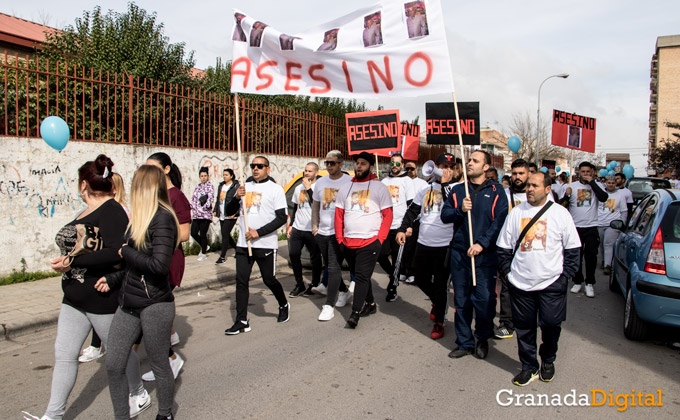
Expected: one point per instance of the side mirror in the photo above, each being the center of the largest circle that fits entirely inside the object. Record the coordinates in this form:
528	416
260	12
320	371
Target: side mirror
617	224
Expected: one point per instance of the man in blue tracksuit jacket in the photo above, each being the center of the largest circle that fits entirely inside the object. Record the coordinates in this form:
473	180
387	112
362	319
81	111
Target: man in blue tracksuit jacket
489	206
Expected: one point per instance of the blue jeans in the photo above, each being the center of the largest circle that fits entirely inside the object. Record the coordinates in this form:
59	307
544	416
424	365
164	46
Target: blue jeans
481	298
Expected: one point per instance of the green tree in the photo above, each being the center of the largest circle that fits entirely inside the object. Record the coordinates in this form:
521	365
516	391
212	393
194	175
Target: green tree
131	42
667	154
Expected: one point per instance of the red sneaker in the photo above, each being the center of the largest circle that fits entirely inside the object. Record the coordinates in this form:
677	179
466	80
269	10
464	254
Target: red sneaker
437	331
432	313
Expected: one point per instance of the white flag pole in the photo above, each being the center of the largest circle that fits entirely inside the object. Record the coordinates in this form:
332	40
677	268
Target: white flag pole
242	176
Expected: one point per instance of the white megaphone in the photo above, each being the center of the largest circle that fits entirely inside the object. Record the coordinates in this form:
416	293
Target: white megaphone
429	168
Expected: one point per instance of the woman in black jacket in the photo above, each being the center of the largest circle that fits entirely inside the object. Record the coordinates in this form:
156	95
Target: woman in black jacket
225	192
146	303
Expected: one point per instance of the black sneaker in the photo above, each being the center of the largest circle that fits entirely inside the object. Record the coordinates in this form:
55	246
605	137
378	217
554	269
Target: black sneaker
353	320
220	261
284	313
481	349
547	372
298	290
391	295
457	353
503	332
525	377
308	291
238	327
170	417
368	309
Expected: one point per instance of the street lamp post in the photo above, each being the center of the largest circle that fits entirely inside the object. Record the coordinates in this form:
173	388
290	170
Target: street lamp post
538	112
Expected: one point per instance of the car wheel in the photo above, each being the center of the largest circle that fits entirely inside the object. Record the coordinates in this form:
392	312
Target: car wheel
613	283
634	328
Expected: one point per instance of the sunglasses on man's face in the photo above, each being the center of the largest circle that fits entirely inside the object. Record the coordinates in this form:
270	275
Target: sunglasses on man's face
258	165
330	163
395	163
408	168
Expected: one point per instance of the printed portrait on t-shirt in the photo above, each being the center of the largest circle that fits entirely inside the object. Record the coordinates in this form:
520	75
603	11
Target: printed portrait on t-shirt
223	194
359	201
610	205
536	237
394	193
584	198
253	202
303	199
433	202
329	195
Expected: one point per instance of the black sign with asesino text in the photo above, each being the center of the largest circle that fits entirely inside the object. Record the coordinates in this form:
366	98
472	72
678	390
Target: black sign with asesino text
373	132
441	127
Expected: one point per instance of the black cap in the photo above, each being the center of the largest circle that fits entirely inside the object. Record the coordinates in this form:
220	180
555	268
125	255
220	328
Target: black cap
445	158
367	156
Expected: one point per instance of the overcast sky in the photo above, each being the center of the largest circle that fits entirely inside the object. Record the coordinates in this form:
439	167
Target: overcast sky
500	52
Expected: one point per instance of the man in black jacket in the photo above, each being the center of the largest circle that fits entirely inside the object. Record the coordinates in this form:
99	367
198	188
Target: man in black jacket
263	203
225	192
538	266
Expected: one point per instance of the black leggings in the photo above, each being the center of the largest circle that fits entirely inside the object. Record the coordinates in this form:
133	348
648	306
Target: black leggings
226	226
199	231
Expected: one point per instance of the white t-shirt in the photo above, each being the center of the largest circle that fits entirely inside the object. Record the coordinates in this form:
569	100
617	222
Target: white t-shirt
303	214
538	261
628	194
325	192
223	201
583	205
363	202
401	190
418	184
518	198
612	209
433	232
261	202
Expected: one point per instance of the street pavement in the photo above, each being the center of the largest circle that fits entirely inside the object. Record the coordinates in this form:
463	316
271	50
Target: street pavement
388	368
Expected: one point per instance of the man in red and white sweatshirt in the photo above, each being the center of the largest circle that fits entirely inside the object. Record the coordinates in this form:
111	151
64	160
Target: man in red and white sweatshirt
363	215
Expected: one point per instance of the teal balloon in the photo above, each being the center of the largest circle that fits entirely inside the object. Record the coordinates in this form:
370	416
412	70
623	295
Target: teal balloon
544	169
614	164
603	172
611	173
567	172
514	143
55	132
558	169
628	171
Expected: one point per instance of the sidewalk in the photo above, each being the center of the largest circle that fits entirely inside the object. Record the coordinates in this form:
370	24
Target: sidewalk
34	306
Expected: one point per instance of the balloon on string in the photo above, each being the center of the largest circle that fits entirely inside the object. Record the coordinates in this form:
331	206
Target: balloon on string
55	132
628	171
567	172
544	169
514	143
611	173
603	172
558	169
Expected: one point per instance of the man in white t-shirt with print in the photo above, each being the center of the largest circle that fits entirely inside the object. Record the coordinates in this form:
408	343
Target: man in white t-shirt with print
430	261
613	209
582	201
323	228
402	193
363	216
300	232
264	203
621	185
538	274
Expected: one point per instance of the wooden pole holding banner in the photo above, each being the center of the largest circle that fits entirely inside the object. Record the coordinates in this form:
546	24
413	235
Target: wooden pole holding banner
377	167
242	174
467	190
571	167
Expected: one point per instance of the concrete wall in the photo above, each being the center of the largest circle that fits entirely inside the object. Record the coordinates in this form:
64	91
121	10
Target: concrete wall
39	191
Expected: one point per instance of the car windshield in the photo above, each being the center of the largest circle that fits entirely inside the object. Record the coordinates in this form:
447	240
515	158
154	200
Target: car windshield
670	226
647	185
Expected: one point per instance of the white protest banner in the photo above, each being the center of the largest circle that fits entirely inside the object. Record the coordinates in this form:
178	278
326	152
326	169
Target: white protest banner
392	48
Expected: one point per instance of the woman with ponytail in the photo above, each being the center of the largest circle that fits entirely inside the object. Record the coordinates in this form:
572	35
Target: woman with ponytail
146	302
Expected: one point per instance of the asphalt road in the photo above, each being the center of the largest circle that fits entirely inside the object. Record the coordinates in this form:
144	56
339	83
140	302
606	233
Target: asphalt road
388	368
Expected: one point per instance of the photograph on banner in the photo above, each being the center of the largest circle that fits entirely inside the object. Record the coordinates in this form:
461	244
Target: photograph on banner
573	131
373	132
440	123
410	141
388	49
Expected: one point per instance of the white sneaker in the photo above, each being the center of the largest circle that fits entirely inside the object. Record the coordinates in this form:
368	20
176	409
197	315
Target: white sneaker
320	289
176	365
174	339
202	257
207	248
402	277
29	416
590	291
410	280
90	354
149	376
576	288
351	287
327	313
343	298
139	403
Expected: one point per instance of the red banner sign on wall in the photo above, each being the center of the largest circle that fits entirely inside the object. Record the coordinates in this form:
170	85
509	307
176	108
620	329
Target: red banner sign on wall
573	131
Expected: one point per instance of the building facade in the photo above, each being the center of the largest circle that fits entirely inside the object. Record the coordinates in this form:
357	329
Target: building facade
665	90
